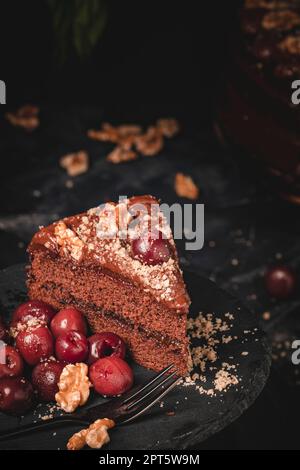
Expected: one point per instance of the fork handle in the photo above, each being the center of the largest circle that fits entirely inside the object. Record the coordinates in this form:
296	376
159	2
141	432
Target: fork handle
29	428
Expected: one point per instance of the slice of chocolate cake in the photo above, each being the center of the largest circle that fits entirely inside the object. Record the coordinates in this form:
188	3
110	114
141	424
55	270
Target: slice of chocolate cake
118	264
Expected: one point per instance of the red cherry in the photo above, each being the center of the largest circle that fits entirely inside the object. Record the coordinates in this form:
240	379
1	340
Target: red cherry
66	320
105	344
11	362
45	377
3	331
280	282
72	346
111	376
33	309
151	250
16	395
35	344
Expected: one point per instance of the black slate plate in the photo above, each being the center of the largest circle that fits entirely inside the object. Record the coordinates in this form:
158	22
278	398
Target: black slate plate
196	416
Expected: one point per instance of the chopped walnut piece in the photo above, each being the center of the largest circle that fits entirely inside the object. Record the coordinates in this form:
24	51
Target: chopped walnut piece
290	44
168	127
126	130
74	387
95	436
98	135
128	136
75	163
281	20
69	242
26	117
121	154
185	186
109	133
150	143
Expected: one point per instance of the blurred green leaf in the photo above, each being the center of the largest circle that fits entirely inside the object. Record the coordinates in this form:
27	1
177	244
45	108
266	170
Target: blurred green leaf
78	25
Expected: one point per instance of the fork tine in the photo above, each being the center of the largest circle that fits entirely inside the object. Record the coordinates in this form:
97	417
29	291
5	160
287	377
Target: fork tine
126	419
150	392
148	384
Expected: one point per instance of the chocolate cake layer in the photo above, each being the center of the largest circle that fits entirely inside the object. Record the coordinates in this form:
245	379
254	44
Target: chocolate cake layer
107	291
112	304
147	348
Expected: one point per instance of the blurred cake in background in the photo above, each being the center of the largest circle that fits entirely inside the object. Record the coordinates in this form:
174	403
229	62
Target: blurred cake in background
255	110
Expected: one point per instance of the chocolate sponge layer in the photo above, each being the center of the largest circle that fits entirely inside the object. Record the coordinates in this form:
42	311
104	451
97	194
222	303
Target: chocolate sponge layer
156	335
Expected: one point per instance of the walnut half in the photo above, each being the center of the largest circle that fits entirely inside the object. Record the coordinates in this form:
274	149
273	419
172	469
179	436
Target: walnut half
95	436
74	387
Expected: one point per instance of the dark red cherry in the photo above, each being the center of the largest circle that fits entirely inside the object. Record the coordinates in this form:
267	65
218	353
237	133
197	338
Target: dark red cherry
11	362
111	376
105	344
280	282
71	347
33	309
68	319
150	249
45	377
35	344
16	395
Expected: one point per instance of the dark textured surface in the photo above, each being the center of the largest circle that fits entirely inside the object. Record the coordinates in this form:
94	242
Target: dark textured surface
196	416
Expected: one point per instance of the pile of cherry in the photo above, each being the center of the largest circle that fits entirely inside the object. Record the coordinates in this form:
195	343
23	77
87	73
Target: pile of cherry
43	343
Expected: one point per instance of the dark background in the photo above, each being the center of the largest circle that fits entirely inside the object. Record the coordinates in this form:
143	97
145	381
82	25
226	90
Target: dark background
154	59
151	52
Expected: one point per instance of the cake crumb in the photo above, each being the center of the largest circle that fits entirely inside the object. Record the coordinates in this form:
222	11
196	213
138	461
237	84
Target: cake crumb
69	184
120	154
266	316
235	262
208	328
224	379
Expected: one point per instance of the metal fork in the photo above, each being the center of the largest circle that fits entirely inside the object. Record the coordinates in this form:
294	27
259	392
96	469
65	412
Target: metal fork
121	410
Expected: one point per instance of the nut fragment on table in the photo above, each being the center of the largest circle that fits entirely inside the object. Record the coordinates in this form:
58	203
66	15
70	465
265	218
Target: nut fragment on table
151	142
169	127
185	186
74	387
130	137
75	163
121	154
95	436
26	117
115	134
